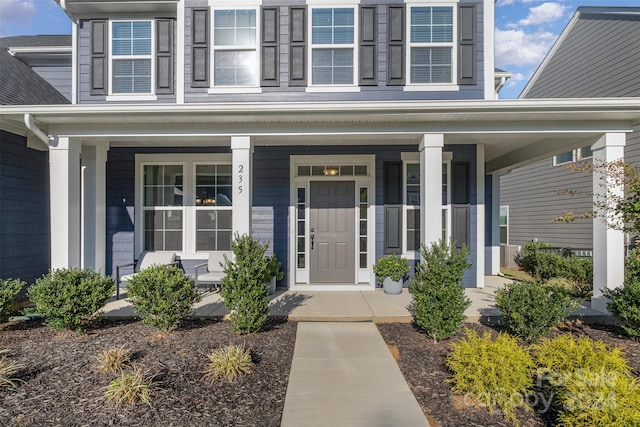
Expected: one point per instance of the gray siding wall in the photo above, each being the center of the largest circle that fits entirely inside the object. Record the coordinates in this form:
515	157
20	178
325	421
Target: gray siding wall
530	193
58	76
270	214
367	93
84	60
24	209
598	58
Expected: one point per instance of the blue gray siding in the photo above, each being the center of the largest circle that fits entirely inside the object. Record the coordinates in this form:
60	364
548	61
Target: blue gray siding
58	76
24	209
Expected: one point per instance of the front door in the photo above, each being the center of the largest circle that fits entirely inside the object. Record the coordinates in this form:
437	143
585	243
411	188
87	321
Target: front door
332	232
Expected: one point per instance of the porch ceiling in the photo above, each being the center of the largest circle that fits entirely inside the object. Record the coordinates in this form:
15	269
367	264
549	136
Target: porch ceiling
514	132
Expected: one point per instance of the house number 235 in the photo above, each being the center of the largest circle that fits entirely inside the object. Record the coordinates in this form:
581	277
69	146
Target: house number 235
240	178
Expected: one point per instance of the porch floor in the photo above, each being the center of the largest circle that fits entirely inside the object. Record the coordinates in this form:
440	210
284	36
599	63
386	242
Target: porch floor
350	306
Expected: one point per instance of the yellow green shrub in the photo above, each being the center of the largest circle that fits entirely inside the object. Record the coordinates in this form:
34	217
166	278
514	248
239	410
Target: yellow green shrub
613	402
495	372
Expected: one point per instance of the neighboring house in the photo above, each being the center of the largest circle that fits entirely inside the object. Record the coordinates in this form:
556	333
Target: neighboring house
336	131
34	70
596	56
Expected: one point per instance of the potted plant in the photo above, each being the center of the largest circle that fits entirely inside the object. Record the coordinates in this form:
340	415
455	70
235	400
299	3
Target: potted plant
274	272
391	270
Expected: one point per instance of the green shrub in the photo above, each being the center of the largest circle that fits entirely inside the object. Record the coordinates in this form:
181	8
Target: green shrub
496	373
439	300
392	266
71	298
131	387
540	264
579	274
625	305
229	362
632	265
243	287
8	292
613	401
163	296
529	310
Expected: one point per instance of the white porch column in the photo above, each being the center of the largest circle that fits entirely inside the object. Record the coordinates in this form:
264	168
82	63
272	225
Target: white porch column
431	187
478	226
493	251
64	185
93	239
608	244
242	164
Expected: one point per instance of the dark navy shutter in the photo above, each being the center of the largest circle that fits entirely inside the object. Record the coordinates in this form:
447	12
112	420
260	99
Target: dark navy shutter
392	197
270	74
164	56
461	199
200	48
395	45
98	71
368	46
467	61
297	46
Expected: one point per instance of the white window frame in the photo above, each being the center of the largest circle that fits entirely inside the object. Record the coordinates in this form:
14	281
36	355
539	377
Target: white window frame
576	156
414	158
135	96
329	4
238	5
189	208
506	225
452	86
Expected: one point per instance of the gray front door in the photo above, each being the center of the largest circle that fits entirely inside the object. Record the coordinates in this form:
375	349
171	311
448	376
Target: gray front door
332	227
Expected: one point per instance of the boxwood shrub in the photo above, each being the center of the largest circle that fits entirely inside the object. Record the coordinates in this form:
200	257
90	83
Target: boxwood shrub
71	298
9	289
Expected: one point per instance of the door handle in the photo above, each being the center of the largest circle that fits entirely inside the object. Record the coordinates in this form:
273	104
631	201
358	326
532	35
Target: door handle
312	237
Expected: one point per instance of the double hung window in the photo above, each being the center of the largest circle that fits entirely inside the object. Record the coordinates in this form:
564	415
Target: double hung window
186	204
333	46
235	52
131	57
431	45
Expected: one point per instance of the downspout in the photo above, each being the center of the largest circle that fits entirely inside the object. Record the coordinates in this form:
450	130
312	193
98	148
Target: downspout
29	123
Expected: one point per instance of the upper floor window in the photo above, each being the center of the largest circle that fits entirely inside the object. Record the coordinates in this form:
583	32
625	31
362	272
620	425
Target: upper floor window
333	46
235	53
131	57
431	58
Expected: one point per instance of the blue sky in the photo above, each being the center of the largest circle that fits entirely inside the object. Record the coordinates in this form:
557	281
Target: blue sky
525	29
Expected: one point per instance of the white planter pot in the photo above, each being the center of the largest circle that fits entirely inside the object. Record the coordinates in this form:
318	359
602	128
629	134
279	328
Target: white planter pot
272	286
392	287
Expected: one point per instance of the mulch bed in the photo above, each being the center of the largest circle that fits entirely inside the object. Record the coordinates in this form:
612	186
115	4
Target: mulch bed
422	364
62	385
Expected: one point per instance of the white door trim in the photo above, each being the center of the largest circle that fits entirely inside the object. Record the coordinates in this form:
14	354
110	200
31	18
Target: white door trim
299	277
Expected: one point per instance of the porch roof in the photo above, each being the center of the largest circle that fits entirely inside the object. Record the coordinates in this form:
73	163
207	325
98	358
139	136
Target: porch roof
514	132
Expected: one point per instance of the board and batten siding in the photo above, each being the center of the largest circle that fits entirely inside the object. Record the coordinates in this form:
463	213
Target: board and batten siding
24	209
285	93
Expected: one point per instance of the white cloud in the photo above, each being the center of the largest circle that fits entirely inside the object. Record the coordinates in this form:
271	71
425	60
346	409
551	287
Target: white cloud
517	47
545	13
16	12
515	80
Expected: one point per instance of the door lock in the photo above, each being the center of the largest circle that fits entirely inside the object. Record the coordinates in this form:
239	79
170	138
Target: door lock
312	237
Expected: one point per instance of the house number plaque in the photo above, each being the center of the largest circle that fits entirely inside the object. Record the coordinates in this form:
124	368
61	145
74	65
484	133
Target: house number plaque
240	178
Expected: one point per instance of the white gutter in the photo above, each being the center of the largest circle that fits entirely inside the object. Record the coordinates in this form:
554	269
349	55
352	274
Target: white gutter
29	123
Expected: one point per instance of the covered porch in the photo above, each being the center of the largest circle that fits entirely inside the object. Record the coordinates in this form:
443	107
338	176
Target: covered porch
81	140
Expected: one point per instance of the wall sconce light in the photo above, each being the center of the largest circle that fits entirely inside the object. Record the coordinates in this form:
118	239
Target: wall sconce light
330	170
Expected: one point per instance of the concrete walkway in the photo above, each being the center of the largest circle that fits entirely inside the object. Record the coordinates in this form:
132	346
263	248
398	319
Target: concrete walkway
343	374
